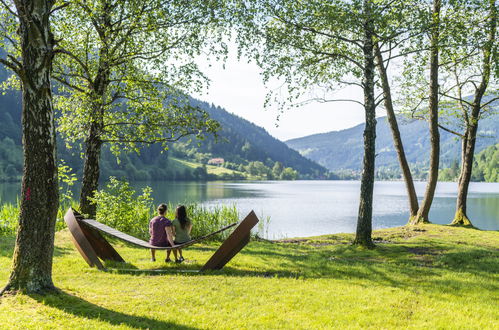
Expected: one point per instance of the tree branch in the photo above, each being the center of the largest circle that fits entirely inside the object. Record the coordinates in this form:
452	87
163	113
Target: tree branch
451	131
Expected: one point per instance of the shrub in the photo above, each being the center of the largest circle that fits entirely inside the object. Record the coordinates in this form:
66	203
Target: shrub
119	207
8	219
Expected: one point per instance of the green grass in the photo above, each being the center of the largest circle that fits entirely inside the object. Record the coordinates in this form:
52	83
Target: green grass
422	277
210	169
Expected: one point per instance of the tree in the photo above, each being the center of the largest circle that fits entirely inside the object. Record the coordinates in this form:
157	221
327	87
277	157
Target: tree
277	170
473	69
424	208
31	52
417	91
289	174
402	23
328	44
124	73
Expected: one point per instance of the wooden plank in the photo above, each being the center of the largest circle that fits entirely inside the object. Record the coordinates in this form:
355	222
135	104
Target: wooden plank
81	242
233	244
101	246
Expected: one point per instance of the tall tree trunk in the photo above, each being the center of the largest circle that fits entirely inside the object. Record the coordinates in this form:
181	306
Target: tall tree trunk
424	208
468	150
364	221
32	261
397	140
93	143
91	173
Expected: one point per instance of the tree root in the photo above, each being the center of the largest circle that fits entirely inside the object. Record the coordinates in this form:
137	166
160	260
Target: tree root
460	219
417	220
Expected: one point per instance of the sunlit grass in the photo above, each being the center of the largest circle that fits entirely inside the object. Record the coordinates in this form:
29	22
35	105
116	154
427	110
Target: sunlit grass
210	169
424	277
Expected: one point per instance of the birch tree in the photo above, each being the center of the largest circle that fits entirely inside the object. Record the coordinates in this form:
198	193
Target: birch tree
30	45
472	74
324	45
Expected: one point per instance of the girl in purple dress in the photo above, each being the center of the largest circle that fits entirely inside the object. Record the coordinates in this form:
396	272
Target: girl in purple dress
160	229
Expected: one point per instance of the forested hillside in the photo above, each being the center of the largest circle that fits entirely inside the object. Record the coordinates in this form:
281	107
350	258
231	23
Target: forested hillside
485	167
248	152
342	150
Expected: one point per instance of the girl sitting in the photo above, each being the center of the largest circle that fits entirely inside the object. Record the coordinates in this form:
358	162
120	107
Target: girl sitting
182	227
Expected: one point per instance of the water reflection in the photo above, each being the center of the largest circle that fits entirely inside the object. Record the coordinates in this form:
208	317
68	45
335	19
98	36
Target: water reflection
306	208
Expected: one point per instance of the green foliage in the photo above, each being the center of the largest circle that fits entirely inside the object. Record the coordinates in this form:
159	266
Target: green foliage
11	160
67	179
119	207
451	173
207	220
126	83
288	174
486	165
9	214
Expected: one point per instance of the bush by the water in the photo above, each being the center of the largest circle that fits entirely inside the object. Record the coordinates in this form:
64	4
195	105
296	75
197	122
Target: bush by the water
119	206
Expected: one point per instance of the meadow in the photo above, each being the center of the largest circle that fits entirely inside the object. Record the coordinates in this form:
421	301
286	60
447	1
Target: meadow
428	276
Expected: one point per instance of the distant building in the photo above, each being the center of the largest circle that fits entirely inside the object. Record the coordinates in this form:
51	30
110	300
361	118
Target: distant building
216	161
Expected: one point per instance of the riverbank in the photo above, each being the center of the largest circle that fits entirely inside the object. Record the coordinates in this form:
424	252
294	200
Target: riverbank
429	276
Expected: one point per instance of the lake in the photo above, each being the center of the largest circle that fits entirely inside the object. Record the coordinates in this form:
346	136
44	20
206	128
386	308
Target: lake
308	208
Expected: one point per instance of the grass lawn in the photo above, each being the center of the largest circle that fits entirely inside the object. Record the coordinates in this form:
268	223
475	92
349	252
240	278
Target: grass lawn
420	277
210	169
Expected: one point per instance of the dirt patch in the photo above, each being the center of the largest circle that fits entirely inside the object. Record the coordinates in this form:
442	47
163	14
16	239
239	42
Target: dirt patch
319	244
381	240
293	241
420	251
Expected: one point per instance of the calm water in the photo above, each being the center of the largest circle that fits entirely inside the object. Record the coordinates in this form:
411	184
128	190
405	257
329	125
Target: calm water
307	208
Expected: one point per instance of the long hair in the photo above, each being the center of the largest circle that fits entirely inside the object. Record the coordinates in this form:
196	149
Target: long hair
181	215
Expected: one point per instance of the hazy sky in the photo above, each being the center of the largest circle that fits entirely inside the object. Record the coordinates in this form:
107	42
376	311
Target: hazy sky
239	89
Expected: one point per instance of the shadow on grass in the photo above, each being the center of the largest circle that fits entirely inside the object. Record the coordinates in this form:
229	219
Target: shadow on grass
81	308
7	244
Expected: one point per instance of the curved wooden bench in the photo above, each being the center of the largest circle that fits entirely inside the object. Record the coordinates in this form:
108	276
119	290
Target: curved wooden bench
93	246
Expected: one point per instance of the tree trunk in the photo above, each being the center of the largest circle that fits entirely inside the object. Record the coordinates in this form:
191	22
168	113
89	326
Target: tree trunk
468	150
93	143
91	173
424	208
364	221
32	261
397	140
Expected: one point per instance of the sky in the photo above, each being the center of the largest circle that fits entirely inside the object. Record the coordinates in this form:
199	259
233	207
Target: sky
239	89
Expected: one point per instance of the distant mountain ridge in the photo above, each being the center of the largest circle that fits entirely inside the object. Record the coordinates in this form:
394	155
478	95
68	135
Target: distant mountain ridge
344	149
240	143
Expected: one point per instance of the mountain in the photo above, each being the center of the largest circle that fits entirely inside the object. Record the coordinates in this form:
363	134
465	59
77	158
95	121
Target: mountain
241	140
248	152
341	150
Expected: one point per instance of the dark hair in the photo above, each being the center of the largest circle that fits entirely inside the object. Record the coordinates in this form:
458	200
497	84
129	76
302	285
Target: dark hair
181	215
162	208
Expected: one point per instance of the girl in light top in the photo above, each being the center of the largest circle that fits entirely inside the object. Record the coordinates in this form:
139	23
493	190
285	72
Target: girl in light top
182	227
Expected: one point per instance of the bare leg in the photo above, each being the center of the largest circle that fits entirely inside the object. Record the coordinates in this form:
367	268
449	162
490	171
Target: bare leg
180	254
153	255
168	252
175	255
